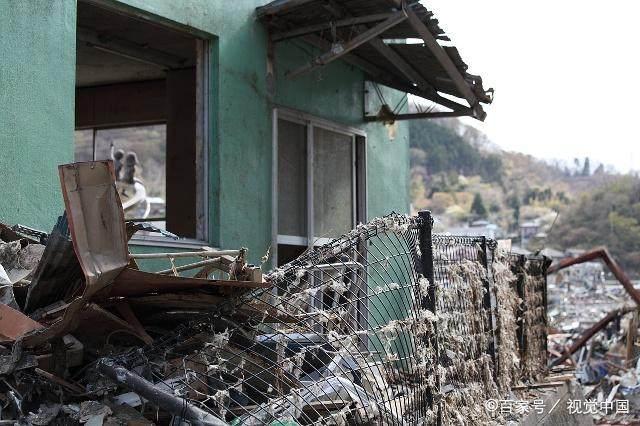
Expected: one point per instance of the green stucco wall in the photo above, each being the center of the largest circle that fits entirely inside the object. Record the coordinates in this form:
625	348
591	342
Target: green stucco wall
241	150
37	90
336	92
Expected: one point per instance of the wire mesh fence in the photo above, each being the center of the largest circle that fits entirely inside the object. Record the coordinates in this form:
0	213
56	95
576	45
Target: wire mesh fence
534	322
388	324
465	324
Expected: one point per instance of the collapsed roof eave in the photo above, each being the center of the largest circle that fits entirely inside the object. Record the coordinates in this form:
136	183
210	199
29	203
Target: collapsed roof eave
354	31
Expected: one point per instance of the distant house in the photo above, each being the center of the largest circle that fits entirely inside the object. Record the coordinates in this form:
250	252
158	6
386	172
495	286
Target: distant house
257	124
528	230
478	228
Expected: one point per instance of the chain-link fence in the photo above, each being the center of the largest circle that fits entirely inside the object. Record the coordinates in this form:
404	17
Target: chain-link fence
388	324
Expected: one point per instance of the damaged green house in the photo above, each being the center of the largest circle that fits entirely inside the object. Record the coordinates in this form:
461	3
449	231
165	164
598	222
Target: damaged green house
267	125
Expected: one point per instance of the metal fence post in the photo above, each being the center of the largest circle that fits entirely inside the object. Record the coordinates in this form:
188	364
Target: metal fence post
429	302
488	247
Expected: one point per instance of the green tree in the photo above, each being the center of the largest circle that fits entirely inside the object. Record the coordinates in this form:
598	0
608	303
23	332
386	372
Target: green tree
513	201
606	216
586	168
445	150
477	206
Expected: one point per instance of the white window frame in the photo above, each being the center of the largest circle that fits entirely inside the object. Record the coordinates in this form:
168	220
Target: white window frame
359	180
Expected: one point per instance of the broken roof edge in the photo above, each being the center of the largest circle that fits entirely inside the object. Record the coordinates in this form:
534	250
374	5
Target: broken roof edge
427	73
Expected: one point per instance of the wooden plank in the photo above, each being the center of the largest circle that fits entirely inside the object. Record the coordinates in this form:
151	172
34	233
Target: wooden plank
632	333
209	262
55	379
381	47
204	253
125	310
539	386
341	49
179	301
99	320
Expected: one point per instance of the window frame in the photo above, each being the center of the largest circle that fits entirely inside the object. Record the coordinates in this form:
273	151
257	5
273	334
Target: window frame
204	104
358	174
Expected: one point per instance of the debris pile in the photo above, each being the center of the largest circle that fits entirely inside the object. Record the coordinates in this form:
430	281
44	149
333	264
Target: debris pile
387	324
593	336
74	298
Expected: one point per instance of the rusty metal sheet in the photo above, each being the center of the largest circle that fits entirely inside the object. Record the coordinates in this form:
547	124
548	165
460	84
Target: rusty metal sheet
96	225
14	323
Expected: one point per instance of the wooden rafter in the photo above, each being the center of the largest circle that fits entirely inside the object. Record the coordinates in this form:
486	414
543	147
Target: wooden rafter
436	114
385	50
390	66
340	49
381	77
405	69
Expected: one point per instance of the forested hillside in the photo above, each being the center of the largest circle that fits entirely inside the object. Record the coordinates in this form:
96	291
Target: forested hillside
460	176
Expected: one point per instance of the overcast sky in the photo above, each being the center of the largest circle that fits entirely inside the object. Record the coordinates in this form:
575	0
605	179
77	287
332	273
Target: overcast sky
563	71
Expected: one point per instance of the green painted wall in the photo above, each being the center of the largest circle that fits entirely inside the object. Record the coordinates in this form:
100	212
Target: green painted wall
37	90
240	113
336	92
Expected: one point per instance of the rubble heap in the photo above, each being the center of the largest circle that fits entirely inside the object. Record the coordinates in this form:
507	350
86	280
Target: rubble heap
385	325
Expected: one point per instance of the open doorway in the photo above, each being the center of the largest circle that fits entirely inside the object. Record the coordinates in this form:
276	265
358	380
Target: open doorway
141	100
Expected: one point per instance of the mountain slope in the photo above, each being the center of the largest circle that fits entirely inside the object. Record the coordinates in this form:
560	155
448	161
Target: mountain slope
455	167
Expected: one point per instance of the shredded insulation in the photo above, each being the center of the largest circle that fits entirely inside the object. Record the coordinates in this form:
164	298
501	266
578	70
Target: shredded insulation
350	333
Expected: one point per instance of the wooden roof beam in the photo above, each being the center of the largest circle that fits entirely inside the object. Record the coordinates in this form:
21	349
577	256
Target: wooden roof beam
279	36
436	114
340	49
396	60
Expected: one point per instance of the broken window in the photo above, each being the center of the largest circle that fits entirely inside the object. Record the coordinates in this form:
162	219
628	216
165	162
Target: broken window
320	181
142	183
140	100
